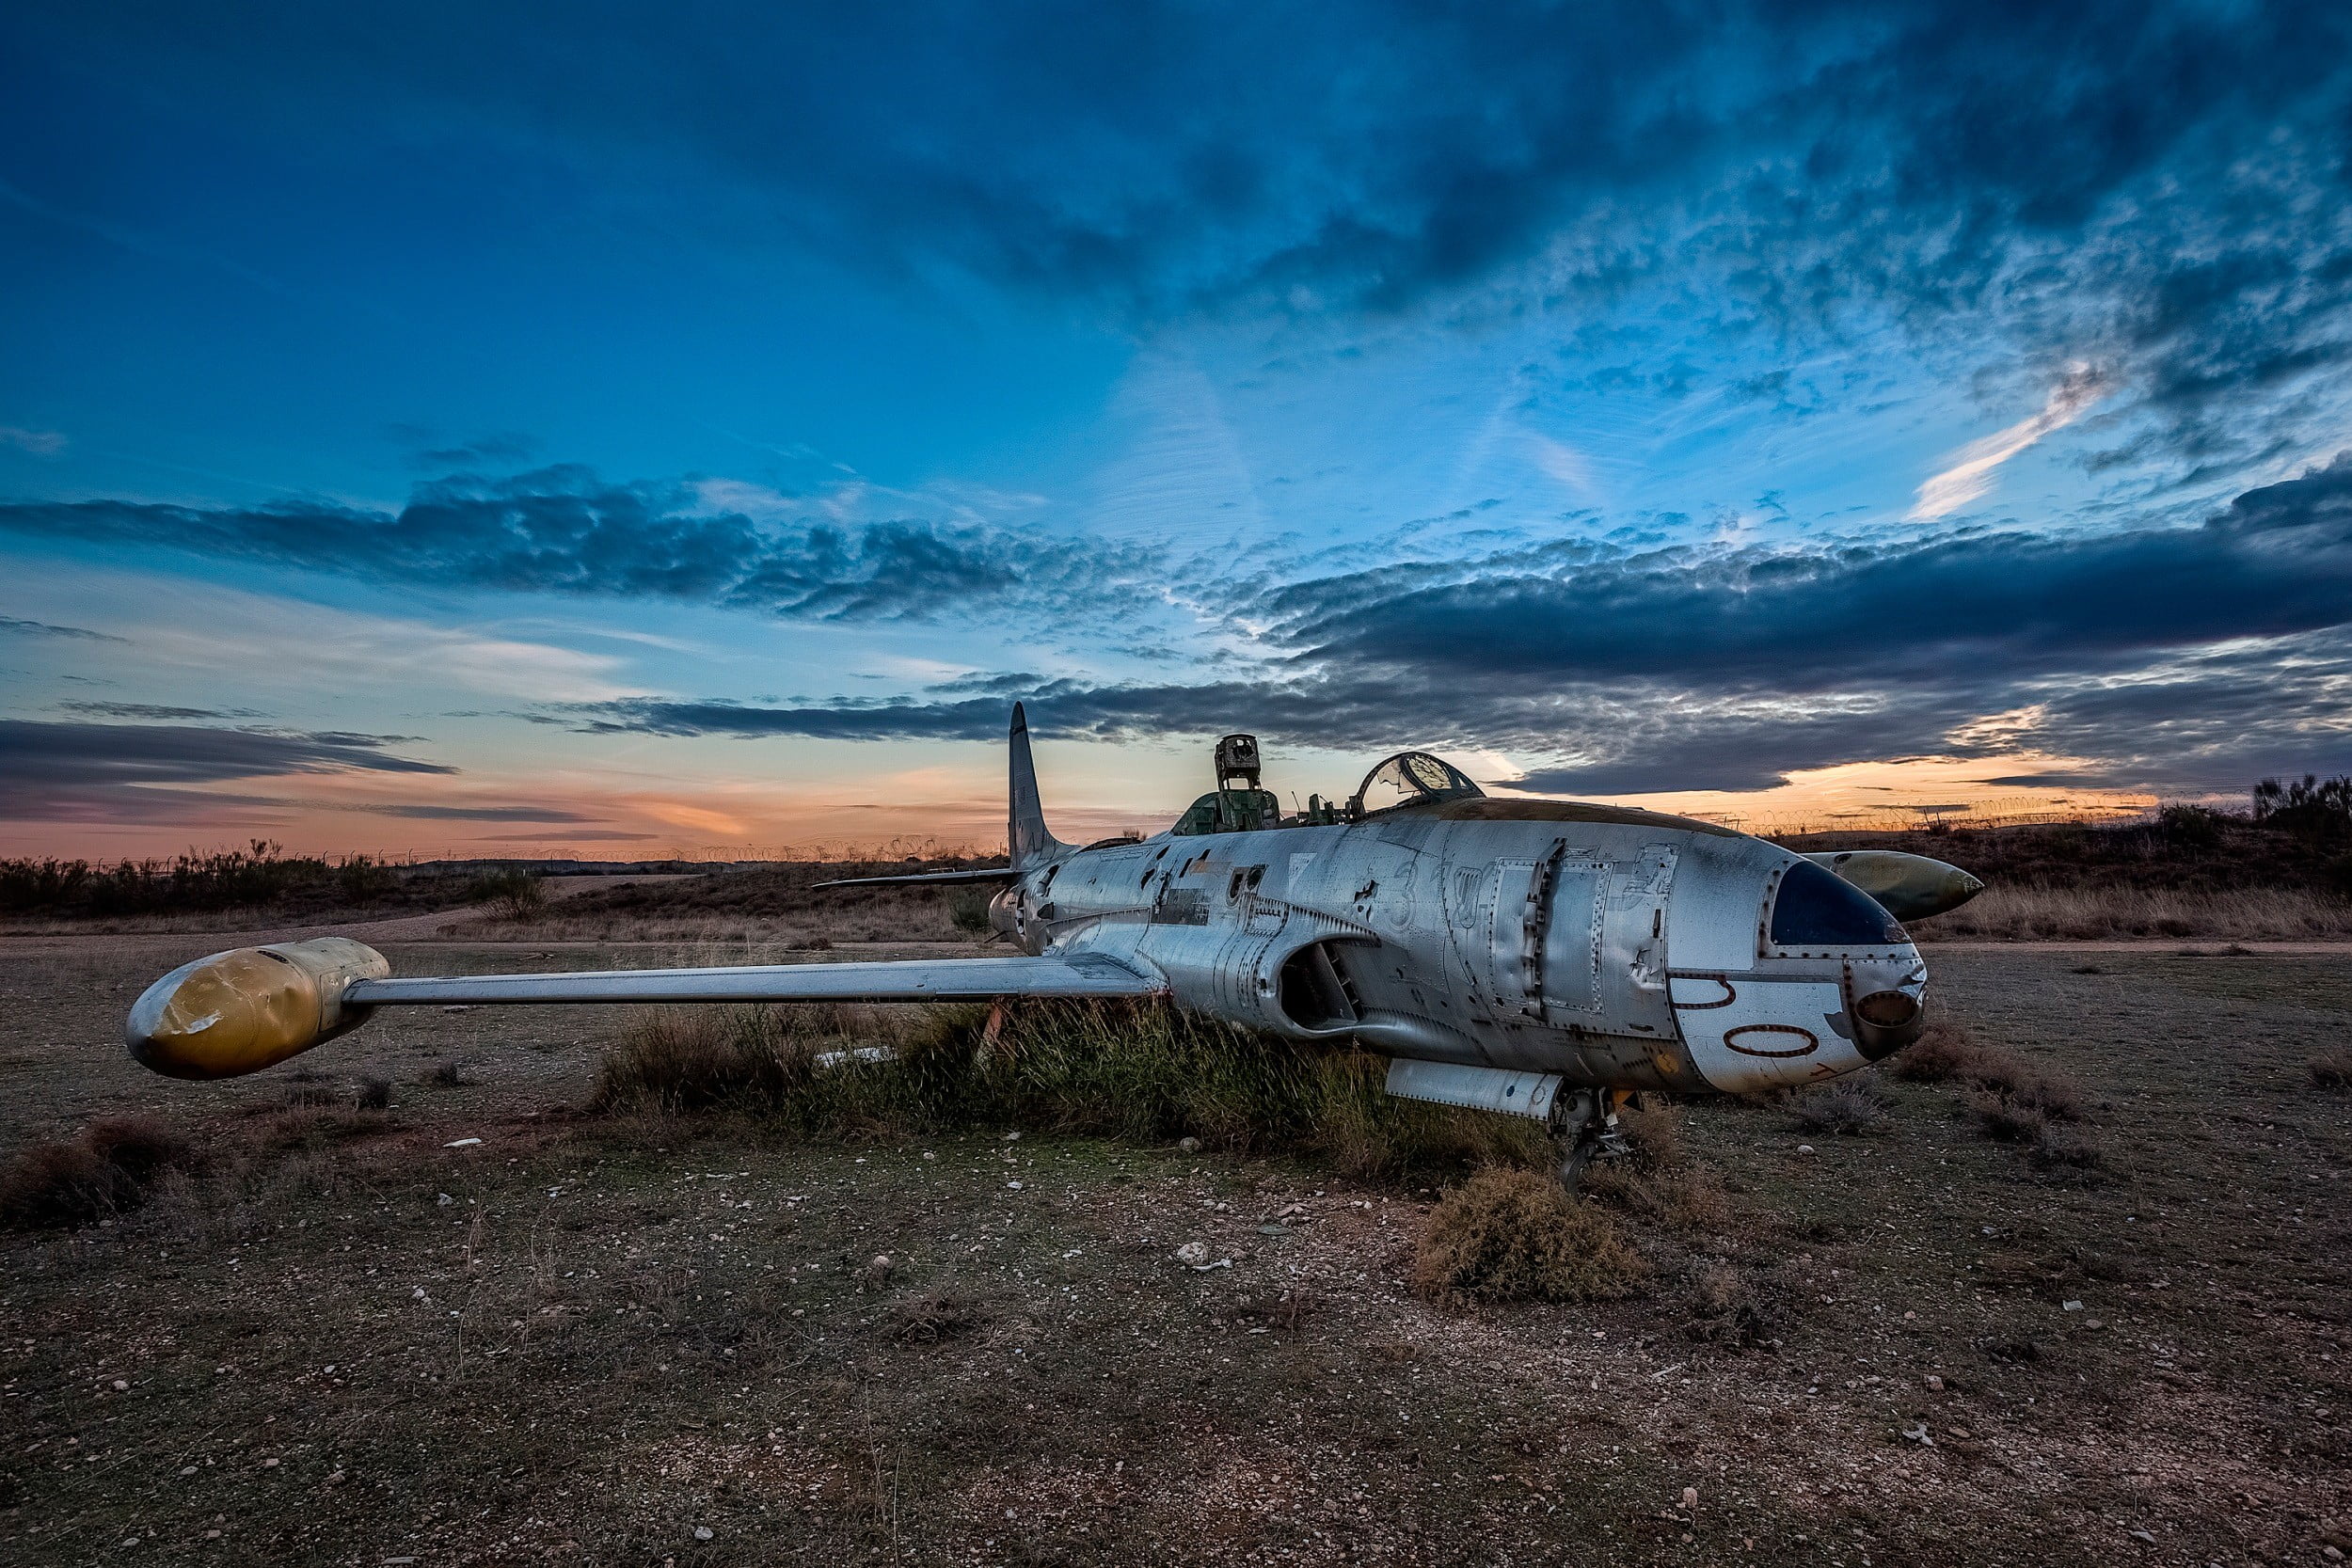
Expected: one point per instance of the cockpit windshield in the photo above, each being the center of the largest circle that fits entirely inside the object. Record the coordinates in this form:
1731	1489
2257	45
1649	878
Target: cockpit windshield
1411	779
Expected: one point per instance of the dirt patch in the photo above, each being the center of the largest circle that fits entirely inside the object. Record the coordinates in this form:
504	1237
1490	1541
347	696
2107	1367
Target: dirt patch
587	1338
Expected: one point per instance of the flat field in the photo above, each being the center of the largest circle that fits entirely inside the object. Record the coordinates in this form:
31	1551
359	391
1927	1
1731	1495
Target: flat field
364	1339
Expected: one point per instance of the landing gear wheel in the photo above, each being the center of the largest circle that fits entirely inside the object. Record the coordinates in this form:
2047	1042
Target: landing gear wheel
1586	1126
1581	1150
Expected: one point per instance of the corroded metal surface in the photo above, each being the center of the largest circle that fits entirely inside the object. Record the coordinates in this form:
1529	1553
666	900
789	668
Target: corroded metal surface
1588	947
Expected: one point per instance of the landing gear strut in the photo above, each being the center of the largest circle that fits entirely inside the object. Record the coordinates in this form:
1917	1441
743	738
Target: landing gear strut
1584	1125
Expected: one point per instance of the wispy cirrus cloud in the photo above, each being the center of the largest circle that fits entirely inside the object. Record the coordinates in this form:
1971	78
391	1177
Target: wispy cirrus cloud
36	443
1972	468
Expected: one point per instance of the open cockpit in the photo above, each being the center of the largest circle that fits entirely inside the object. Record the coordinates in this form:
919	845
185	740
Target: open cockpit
1240	803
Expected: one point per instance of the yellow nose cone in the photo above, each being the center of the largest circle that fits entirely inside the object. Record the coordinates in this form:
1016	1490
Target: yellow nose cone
249	1008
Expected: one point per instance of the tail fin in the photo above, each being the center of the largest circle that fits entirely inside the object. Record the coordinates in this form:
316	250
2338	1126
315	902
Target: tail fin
1026	831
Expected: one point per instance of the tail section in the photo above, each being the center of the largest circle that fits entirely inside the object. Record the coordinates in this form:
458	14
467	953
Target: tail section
1025	831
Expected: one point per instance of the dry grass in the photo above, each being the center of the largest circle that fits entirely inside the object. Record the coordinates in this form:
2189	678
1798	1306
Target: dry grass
1850	1107
1737	1308
2038	912
1146	1073
2332	1070
1509	1234
113	1166
2014	1101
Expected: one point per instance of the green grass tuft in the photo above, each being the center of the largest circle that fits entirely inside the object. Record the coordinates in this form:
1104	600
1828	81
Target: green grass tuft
1143	1072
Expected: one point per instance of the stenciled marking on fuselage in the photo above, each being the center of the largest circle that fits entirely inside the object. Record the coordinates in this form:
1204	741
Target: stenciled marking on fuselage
1728	997
1812	1041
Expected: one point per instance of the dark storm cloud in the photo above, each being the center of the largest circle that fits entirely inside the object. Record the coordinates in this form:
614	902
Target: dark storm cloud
2150	186
563	530
1803	618
75	771
2177	657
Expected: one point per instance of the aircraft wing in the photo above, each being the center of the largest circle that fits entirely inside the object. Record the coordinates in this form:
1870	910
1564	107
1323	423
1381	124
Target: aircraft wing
240	1012
917	980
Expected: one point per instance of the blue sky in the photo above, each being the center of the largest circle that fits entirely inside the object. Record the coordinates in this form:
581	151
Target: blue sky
436	426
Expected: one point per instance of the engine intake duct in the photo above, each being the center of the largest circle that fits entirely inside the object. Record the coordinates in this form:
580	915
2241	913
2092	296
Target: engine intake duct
1313	991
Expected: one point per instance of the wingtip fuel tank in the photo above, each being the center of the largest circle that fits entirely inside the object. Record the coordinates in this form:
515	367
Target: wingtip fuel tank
1909	887
250	1008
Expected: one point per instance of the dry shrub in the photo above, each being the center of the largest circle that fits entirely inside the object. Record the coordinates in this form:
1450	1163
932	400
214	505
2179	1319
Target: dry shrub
2332	1070
937	1314
1509	1234
448	1075
1736	1306
2014	1095
373	1094
1689	1199
693	1061
113	1165
1945	1051
2057	1145
1653	1130
1850	1107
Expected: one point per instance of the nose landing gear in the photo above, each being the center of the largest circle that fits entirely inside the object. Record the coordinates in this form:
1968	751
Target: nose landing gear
1584	1127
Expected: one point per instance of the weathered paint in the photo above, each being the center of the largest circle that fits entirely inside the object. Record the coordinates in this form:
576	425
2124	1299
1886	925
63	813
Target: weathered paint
1589	947
243	1010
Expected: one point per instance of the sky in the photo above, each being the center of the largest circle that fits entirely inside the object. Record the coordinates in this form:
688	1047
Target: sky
508	428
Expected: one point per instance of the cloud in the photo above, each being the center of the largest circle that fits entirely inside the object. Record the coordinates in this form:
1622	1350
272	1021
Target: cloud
1973	466
93	772
155	710
2172	655
458	813
495	449
2149	187
42	629
563	530
38	443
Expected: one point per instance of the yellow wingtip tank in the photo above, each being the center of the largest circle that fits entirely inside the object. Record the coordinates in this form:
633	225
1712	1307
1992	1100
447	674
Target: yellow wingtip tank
251	1007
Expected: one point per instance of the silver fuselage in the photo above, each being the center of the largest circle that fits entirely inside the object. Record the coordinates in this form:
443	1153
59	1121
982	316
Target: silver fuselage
1620	949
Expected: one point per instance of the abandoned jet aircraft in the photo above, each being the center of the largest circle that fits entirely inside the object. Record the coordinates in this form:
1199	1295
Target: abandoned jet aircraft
1543	958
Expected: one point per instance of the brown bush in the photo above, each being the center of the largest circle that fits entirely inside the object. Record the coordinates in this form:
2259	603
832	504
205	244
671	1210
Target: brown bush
2058	1145
1655	1132
1508	1234
2332	1070
1946	1052
112	1167
2027	1092
939	1313
1851	1106
141	1148
1736	1306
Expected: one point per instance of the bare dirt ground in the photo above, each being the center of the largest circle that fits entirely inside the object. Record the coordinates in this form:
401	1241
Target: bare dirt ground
367	1340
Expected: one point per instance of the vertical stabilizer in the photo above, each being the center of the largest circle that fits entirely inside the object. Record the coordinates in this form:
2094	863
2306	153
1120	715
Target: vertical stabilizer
1026	831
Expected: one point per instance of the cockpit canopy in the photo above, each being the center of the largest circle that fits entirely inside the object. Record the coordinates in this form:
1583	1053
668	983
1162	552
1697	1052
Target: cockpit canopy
1406	779
1411	779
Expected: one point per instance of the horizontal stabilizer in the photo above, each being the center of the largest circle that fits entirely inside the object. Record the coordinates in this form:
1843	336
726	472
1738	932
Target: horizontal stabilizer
930	879
919	980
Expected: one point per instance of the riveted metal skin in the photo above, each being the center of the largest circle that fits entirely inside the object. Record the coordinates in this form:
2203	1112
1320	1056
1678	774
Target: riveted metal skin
1585	951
